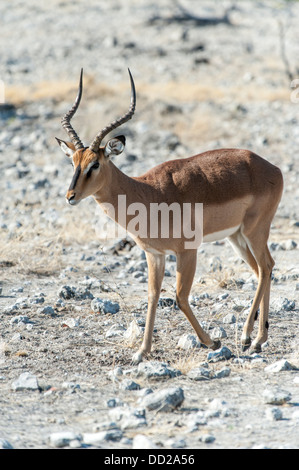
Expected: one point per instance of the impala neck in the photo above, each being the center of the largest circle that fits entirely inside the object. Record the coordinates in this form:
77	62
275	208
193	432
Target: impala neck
117	183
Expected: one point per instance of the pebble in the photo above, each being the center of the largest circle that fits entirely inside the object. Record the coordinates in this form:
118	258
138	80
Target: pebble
19	319
279	366
140	441
47	310
115	330
218	408
167	302
221	354
26	381
156	370
188	342
229	318
99	438
71	322
164	400
207	438
175	443
218	332
128	384
276	396
115	373
133	332
199	373
65	438
104	306
274	414
70	386
224	372
4	444
287	305
128	417
195	420
66	292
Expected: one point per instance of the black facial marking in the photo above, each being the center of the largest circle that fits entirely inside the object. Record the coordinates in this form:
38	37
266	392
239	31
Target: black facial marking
75	178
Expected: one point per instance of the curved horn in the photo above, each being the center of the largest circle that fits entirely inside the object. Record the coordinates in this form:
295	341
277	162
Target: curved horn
98	139
65	121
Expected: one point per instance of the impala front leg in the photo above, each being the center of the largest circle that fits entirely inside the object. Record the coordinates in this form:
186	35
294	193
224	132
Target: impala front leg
156	268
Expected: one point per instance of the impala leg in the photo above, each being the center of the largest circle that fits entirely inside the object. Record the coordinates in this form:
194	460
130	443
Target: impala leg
186	265
262	335
265	264
240	246
156	269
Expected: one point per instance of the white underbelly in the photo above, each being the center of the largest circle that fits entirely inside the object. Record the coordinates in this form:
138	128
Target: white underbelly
220	235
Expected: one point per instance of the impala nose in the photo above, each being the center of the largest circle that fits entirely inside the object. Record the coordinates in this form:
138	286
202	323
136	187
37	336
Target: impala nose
71	199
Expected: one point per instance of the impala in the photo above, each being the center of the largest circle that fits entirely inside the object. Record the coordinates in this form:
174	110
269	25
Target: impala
239	192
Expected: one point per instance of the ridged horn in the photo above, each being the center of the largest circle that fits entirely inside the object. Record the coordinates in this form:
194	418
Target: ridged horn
65	121
95	145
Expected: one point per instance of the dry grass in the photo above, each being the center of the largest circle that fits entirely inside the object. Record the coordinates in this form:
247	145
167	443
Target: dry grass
178	91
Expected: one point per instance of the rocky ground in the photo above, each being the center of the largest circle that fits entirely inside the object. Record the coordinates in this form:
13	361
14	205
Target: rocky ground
72	303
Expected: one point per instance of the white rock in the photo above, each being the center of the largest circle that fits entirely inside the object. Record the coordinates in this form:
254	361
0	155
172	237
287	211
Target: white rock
98	438
276	396
218	332
64	438
71	322
115	330
219	355
229	318
156	369
199	373
188	342
279	366
141	441
133	332
164	400
128	417
26	381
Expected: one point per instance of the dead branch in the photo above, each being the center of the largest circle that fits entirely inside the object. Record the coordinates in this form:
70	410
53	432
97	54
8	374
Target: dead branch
186	16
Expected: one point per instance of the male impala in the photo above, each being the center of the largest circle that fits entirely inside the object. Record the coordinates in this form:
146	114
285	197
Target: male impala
239	191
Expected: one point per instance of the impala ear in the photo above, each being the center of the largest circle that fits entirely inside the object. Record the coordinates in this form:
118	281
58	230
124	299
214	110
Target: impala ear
115	146
67	147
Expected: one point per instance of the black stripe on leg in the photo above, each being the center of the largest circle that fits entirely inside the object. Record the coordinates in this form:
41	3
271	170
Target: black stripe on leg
267	325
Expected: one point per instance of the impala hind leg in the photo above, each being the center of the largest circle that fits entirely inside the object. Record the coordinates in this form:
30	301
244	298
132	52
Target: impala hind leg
259	258
240	246
156	269
186	265
266	272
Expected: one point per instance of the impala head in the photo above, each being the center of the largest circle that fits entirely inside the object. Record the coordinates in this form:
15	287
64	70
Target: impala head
90	162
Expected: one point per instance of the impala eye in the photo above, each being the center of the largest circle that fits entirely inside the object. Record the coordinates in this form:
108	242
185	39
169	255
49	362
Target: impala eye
95	166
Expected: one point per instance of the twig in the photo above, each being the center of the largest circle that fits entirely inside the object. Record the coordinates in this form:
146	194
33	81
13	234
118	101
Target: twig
284	58
187	16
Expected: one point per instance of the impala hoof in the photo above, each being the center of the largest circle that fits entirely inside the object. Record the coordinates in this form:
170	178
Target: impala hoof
246	344
256	348
137	358
216	344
